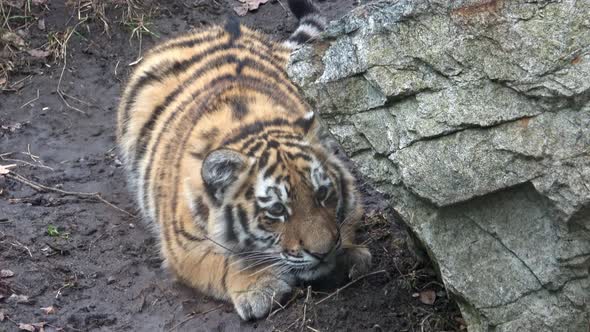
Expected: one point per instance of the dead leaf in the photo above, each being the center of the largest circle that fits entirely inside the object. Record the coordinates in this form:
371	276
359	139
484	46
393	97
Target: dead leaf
248	5
427	297
12	38
2	315
33	327
4	169
26	327
18	298
241	10
40	2
5	273
41	24
39	54
49	310
16	3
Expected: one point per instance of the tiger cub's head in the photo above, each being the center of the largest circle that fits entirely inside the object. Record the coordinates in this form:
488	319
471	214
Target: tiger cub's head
284	204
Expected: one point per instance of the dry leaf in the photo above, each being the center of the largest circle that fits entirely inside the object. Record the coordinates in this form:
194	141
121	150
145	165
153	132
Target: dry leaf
1	315
40	2
12	38
18	298
241	10
4	169
26	327
248	5
49	310
41	24
16	3
427	297
5	273
39	54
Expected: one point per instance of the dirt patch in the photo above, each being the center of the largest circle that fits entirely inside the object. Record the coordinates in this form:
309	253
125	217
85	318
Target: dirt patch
96	264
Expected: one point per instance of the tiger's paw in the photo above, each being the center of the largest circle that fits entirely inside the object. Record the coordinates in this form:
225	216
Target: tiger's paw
258	300
359	261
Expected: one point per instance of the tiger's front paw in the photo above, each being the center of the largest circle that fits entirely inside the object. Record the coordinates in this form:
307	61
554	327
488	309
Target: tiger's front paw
358	261
257	301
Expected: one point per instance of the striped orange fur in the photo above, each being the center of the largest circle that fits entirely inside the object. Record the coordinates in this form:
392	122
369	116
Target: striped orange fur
228	166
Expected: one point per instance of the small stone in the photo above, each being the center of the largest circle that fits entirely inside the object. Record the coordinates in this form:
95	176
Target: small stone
6	273
111	280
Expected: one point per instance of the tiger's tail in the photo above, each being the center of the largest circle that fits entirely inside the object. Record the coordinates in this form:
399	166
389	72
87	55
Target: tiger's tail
311	23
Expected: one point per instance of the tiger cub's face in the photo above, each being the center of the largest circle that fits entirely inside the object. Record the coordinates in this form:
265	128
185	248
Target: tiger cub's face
285	207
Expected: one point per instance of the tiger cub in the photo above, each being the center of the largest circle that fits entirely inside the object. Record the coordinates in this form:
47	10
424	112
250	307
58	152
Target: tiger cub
228	165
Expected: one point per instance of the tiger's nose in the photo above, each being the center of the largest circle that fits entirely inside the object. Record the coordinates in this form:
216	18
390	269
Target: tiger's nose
294	252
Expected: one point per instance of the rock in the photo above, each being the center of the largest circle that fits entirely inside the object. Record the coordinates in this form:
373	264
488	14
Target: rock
474	117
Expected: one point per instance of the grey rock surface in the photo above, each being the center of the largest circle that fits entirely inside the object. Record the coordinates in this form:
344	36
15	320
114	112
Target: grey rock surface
474	116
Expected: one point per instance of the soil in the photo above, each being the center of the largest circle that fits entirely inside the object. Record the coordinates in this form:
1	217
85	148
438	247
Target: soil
96	264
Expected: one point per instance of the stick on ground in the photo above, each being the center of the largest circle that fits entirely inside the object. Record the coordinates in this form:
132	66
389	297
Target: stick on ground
348	285
41	188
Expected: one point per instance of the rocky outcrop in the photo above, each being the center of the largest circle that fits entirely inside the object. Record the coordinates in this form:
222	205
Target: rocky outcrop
474	116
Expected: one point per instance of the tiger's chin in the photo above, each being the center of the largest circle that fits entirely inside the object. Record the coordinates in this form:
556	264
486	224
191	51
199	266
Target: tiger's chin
318	271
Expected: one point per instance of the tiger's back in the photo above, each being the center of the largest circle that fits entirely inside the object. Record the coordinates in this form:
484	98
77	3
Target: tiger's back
208	125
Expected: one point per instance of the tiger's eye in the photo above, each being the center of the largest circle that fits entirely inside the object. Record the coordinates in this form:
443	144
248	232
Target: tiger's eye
322	193
277	209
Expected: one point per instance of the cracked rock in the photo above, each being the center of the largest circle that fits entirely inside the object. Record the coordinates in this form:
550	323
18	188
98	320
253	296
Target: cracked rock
474	116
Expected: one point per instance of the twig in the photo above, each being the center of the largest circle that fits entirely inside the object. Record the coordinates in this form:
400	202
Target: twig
59	91
39	164
41	188
32	100
193	315
18	244
349	284
303	324
286	305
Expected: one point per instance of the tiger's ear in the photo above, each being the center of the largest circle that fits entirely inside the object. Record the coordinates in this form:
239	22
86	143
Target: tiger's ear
220	169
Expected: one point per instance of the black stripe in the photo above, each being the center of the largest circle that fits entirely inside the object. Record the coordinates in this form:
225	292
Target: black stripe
243	218
230	234
263	160
272	144
202	211
255	149
300	37
189	236
249	193
270	170
342	208
225	271
304	123
239	107
210	134
254	128
299	155
301	8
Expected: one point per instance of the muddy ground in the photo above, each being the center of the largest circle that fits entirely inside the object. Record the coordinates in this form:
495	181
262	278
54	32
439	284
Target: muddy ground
96	264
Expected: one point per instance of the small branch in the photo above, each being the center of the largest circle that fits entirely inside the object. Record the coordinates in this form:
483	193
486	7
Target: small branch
348	285
41	188
32	100
304	323
193	315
